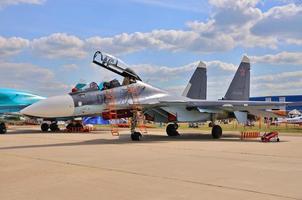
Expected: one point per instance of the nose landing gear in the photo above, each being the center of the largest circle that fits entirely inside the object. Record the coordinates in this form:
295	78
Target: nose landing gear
135	136
53	127
2	128
44	127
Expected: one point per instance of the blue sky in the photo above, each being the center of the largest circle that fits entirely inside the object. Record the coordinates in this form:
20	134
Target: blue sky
46	46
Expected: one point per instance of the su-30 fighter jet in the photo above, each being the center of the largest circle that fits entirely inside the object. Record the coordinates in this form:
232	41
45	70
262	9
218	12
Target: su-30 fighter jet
133	98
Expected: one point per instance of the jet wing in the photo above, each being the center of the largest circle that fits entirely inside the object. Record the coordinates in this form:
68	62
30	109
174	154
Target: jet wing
223	104
239	108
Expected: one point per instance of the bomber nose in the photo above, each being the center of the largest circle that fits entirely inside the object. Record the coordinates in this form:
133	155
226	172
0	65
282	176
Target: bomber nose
52	107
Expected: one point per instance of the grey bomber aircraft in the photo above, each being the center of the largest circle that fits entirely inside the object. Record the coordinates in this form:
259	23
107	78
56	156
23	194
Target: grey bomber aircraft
133	96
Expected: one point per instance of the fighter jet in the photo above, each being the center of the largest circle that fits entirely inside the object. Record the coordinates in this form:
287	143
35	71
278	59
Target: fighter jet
133	96
290	120
12	101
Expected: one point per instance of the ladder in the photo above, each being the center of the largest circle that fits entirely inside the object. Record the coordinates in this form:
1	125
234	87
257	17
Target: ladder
137	109
112	113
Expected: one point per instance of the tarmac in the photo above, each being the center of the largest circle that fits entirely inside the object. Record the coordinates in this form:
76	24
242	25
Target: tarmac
97	165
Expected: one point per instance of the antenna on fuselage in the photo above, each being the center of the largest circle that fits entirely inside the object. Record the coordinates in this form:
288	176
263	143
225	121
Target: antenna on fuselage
114	64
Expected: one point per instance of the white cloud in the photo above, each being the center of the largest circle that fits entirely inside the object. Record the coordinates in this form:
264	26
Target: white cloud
160	73
174	40
250	27
292	58
221	65
283	76
234	19
294	41
59	45
27	76
155	73
12	46
289	86
234	3
4	3
282	22
70	67
233	23
235	13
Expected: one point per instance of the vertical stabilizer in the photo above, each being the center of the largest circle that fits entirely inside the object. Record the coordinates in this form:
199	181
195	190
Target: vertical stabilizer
240	85
197	86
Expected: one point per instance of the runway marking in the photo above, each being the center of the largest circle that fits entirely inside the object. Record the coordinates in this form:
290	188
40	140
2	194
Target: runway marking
152	176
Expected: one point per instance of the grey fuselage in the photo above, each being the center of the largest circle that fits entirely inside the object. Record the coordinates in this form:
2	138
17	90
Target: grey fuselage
156	104
95	102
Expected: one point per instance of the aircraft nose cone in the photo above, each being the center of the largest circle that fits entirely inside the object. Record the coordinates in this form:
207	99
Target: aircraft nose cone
52	107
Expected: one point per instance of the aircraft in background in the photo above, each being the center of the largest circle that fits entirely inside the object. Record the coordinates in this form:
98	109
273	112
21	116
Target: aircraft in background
133	96
11	102
290	120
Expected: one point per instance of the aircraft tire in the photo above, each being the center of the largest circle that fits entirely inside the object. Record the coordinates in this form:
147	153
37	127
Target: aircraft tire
44	127
172	130
216	132
69	126
54	127
2	128
136	136
79	125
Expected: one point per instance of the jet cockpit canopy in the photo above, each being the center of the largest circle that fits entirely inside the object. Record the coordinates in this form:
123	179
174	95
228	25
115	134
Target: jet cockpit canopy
115	65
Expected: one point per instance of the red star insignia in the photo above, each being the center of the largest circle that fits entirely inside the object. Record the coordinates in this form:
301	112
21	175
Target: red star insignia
242	72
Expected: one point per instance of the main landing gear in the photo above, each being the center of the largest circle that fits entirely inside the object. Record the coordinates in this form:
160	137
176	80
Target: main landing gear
216	131
53	127
135	136
2	128
74	126
172	129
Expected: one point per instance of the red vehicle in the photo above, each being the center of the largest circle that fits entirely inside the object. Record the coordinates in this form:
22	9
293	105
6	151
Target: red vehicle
270	137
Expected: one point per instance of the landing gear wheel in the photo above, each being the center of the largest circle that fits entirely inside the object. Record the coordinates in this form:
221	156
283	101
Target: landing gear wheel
136	136
216	132
79	126
2	128
69	126
172	130
54	127
44	127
